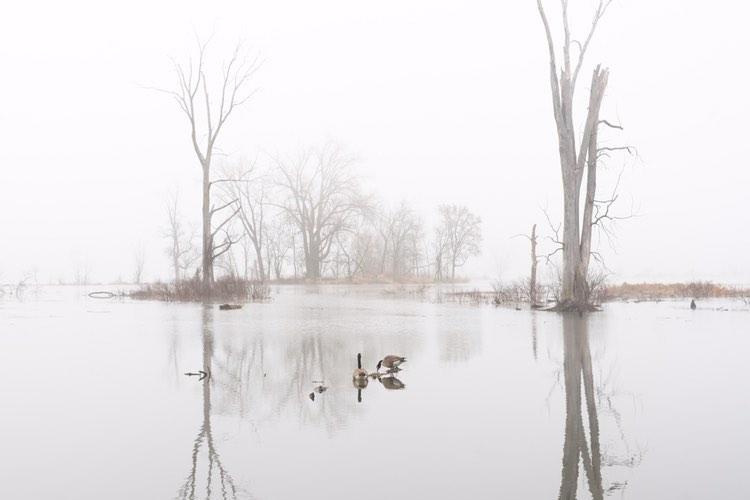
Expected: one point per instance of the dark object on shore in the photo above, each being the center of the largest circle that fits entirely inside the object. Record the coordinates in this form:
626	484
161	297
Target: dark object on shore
692	305
229	307
102	295
200	374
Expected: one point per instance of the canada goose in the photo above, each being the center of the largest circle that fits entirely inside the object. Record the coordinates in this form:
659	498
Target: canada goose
692	304
391	362
359	373
392	383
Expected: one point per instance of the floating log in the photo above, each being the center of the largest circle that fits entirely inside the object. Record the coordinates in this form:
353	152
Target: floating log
229	307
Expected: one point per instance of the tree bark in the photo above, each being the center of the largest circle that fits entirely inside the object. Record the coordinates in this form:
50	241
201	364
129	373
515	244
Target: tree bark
207	247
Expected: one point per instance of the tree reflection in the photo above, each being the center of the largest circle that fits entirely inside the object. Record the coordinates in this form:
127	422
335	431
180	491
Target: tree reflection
216	475
582	444
576	449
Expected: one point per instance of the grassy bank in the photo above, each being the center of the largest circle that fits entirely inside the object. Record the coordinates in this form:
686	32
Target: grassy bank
664	291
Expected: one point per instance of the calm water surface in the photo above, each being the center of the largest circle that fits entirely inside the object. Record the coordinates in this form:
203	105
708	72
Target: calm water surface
641	401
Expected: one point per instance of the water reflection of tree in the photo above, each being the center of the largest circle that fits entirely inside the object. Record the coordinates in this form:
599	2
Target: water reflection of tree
263	371
205	440
581	447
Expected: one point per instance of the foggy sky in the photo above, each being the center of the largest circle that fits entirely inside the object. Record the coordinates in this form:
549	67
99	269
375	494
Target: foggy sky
442	102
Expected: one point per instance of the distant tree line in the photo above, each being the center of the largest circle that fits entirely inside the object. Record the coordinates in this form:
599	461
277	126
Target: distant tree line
306	216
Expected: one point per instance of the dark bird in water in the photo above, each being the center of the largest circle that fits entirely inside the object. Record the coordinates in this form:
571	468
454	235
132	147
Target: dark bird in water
312	396
692	305
359	373
321	389
392	383
391	362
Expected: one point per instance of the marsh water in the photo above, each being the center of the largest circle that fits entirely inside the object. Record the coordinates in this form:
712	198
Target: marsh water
640	401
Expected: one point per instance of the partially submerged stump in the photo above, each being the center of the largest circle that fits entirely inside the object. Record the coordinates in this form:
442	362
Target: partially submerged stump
229	307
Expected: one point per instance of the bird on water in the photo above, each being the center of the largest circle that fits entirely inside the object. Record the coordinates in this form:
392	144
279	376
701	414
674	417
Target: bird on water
359	373
391	362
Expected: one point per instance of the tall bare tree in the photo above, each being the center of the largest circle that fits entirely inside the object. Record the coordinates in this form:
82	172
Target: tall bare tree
576	156
322	199
207	109
460	234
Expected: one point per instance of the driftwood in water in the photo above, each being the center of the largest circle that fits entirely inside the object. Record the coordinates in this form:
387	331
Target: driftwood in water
229	307
200	374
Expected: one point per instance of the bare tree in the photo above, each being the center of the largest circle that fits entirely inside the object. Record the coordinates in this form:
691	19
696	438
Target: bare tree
440	249
81	271
322	199
207	110
140	262
279	244
181	251
576	156
533	289
399	229
249	187
460	233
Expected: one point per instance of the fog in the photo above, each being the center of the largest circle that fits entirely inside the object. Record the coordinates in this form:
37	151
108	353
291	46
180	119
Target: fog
441	102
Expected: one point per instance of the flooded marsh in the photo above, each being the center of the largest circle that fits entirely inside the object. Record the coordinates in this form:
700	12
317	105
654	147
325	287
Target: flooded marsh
633	402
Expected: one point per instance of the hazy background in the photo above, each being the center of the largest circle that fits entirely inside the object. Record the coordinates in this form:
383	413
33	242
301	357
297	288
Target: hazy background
441	102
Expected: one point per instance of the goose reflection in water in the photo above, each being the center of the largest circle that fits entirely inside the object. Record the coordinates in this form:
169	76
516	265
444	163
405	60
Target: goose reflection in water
360	384
390	382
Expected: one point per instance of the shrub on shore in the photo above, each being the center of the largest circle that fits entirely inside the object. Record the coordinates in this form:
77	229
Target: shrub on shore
224	288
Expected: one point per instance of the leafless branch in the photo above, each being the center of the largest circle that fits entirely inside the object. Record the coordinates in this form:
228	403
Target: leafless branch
609	124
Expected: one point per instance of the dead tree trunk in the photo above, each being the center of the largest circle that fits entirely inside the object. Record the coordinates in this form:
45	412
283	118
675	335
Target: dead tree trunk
575	157
207	261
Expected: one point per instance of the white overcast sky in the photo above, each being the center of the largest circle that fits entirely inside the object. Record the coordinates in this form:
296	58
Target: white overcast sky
440	101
